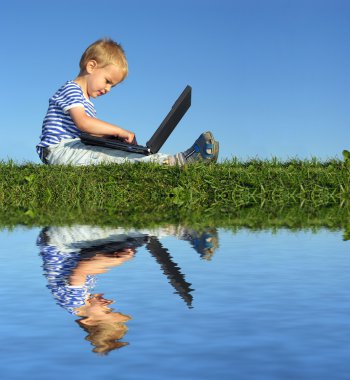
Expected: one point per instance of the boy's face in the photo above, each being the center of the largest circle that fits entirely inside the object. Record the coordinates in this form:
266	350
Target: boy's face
101	80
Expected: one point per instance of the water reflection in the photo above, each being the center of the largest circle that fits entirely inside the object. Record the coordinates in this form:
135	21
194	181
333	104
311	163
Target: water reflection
73	256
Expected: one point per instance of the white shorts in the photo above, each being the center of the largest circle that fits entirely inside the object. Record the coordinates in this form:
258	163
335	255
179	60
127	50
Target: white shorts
74	152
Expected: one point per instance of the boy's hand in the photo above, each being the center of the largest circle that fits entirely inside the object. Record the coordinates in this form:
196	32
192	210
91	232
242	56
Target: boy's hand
130	137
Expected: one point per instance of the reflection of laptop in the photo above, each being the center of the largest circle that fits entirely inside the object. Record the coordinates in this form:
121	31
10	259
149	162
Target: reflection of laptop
171	270
159	137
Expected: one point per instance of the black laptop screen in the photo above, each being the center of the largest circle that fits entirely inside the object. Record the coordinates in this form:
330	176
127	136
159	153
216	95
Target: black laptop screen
176	113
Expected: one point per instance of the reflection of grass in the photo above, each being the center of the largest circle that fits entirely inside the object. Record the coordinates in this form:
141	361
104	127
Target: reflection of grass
146	193
254	218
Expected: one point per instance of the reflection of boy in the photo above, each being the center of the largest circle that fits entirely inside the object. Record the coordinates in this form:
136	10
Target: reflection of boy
102	66
72	256
70	277
71	260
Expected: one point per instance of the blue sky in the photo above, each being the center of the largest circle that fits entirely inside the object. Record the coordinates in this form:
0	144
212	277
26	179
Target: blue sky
270	78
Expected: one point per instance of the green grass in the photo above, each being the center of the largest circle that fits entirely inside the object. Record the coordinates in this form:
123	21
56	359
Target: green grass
147	193
147	186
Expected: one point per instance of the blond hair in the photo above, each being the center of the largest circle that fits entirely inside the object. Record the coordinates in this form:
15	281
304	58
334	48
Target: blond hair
105	52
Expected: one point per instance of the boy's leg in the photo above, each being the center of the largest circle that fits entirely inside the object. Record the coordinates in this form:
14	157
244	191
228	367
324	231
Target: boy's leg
74	152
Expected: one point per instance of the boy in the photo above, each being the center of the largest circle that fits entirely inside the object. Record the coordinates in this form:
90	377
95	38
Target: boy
102	66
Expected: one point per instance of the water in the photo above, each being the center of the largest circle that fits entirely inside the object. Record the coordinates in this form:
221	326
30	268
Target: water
203	304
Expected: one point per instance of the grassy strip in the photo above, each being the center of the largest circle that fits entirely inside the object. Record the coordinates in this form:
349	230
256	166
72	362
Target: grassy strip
154	188
253	218
255	194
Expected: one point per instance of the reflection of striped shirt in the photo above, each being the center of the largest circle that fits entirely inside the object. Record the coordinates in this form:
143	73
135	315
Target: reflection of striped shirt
58	267
57	124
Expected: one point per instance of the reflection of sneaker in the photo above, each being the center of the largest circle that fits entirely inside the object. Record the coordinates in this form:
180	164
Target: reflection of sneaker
205	245
204	149
204	242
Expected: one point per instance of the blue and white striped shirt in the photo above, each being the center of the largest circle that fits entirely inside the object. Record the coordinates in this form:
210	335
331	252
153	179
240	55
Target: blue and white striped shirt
57	124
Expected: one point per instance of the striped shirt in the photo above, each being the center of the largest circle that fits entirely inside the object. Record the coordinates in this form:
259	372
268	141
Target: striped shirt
57	124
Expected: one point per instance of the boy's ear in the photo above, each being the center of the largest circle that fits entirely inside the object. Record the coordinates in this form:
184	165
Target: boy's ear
91	66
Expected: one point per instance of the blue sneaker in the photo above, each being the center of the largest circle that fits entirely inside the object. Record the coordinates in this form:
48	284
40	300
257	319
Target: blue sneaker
205	149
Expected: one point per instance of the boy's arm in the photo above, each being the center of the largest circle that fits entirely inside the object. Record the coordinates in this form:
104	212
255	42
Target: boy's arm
98	127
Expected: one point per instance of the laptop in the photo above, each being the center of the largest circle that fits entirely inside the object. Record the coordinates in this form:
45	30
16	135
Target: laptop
159	137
